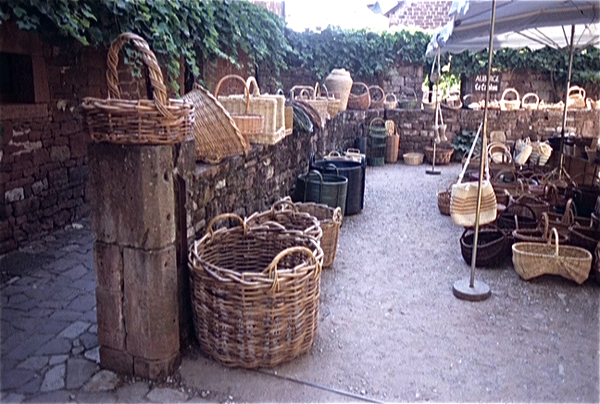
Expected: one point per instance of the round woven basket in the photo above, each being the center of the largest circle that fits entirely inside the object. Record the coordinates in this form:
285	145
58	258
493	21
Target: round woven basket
377	97
442	155
526	102
413	159
576	98
359	101
286	214
391	102
255	293
510	105
157	121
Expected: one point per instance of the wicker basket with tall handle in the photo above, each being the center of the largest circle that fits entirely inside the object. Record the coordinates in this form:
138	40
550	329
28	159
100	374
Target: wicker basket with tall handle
527	104
377	97
359	101
576	98
249	124
510	105
157	121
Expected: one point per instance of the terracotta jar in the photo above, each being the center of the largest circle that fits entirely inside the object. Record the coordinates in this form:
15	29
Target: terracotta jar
339	81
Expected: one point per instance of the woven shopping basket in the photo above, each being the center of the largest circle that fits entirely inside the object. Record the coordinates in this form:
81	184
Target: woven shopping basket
310	96
535	259
157	121
330	220
261	104
360	101
510	105
216	134
377	97
255	293
248	124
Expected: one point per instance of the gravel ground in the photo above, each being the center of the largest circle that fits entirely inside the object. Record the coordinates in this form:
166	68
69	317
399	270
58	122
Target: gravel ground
391	330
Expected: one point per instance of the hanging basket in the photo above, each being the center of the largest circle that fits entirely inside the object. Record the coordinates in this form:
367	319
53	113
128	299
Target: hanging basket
535	259
216	134
248	124
510	105
255	293
359	101
377	97
157	121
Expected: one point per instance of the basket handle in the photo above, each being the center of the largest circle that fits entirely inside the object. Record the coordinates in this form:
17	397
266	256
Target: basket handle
317	91
283	204
356	151
569	216
159	90
237	78
252	84
359	83
272	268
577	91
334	154
332	166
509	91
395	99
528	96
223	216
337	216
555	234
378	119
377	88
546	224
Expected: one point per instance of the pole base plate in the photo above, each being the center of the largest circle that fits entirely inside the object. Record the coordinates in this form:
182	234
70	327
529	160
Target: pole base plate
433	172
462	289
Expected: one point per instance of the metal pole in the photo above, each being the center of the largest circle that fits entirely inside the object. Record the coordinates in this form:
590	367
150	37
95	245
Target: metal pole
483	146
564	120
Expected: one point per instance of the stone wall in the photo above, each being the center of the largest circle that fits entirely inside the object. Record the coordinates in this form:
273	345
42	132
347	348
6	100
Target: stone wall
426	15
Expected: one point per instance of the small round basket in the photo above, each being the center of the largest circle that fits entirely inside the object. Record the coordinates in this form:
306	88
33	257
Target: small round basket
255	293
413	159
510	105
391	102
360	101
377	97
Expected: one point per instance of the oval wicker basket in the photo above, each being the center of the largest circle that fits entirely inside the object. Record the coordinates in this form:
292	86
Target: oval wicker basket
442	155
376	100
535	259
510	105
248	124
157	121
359	101
492	246
255	293
413	159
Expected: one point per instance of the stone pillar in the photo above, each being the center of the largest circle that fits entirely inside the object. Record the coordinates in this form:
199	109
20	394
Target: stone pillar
133	222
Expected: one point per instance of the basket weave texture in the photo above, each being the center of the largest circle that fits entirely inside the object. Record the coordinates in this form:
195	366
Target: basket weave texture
249	124
377	97
510	105
158	121
443	198
442	155
360	101
535	259
492	246
286	214
255	293
216	134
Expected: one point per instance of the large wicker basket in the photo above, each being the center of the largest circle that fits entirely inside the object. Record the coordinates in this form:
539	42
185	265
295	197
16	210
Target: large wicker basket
330	220
157	121
255	293
535	259
442	155
216	134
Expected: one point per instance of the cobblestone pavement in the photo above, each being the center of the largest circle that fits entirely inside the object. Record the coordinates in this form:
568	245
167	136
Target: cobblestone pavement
49	331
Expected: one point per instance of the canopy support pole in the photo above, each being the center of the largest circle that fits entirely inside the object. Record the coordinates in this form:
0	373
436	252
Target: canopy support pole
477	290
564	120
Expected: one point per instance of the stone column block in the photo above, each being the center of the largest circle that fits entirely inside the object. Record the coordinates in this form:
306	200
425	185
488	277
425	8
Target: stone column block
132	197
108	261
156	369
111	325
116	360
151	303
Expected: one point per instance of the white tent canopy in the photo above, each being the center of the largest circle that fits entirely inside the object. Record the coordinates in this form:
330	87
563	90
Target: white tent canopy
519	24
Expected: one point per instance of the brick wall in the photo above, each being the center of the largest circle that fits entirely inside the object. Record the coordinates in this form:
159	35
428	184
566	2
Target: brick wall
426	15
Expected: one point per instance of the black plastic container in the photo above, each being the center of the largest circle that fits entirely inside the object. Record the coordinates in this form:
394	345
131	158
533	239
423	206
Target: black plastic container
354	171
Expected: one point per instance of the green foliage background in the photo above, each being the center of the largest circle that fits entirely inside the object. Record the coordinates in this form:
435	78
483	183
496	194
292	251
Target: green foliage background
210	29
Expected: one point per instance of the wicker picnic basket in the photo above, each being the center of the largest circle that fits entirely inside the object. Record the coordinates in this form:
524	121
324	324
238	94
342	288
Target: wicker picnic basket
359	101
492	246
255	293
377	97
390	103
249	124
216	134
510	105
157	121
442	154
285	213
330	220
534	259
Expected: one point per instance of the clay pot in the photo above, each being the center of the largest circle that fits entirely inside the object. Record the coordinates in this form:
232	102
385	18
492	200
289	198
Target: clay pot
339	81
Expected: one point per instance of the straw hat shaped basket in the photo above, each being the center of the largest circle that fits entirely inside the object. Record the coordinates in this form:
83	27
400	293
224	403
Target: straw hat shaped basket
576	98
359	101
255	293
248	124
510	105
157	121
216	134
377	97
535	259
